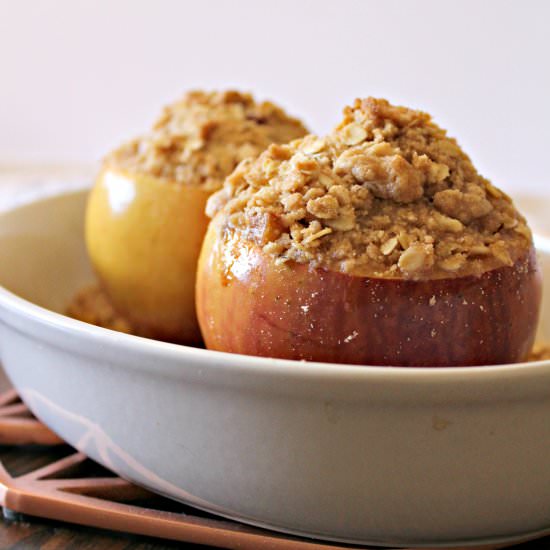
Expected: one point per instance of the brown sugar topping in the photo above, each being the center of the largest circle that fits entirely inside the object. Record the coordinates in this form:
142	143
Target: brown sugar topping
386	194
202	137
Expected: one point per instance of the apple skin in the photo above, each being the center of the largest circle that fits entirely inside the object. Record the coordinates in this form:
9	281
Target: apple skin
144	237
247	304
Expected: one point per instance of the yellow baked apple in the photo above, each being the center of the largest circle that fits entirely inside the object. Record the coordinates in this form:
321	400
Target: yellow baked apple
144	237
145	218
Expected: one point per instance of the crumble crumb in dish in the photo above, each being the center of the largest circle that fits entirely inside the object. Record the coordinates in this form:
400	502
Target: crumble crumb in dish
199	139
540	352
386	194
92	306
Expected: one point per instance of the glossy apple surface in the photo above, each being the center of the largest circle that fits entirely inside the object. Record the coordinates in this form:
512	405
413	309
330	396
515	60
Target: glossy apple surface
144	237
248	304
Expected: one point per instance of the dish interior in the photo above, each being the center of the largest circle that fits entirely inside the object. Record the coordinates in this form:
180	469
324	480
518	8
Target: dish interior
43	257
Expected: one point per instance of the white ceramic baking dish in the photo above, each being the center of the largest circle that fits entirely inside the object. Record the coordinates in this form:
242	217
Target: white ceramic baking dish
377	455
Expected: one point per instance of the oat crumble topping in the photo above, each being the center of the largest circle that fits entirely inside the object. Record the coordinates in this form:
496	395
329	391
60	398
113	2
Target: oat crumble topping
201	138
386	194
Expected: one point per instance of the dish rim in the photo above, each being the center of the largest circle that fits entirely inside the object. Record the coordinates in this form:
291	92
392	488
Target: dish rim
132	345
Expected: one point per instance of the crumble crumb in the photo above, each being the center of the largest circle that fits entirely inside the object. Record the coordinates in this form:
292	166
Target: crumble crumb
386	194
92	306
201	138
540	352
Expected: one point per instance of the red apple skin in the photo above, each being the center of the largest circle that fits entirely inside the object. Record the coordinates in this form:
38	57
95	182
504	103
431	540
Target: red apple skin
247	304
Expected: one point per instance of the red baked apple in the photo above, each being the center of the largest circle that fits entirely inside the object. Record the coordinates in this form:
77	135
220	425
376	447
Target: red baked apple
377	244
248	304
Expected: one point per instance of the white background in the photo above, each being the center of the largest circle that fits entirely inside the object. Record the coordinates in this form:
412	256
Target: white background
77	77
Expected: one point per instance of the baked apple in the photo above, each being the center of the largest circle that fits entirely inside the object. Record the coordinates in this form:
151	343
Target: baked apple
145	218
378	244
